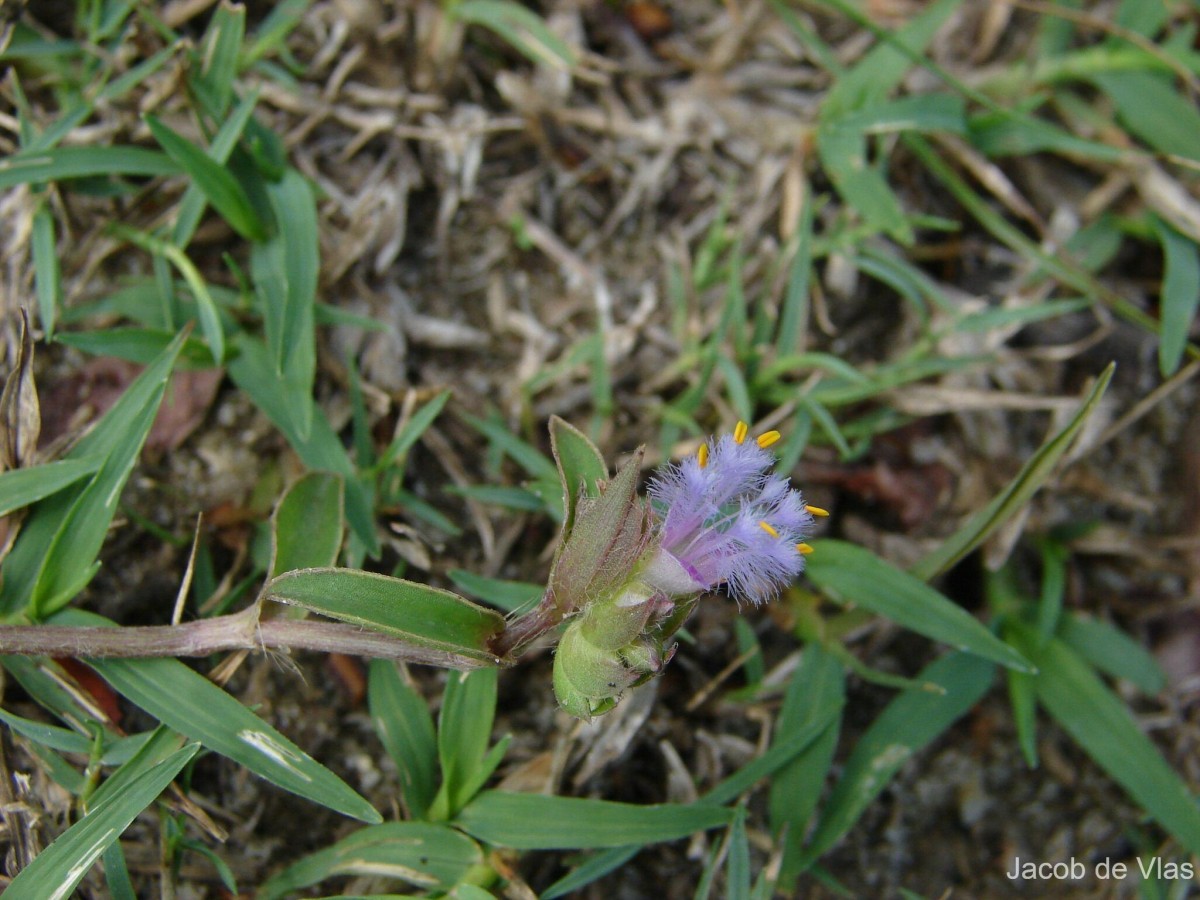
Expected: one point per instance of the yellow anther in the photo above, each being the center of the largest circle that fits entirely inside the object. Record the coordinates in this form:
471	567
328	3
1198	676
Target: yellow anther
740	431
805	548
766	526
702	455
817	511
767	438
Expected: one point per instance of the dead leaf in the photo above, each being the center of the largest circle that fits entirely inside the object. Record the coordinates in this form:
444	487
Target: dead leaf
20	413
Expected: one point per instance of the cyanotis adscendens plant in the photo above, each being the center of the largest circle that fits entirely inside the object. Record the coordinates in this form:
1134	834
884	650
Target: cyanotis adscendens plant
630	570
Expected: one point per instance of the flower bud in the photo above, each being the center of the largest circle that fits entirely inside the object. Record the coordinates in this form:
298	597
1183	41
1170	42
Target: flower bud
630	573
612	624
587	677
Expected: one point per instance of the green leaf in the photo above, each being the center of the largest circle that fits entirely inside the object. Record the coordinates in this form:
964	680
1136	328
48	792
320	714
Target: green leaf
1016	494
430	856
1054	583
1112	651
816	693
782	752
274	29
55	554
44	680
159	744
532	460
284	269
56	871
192	705
402	721
47	273
990	319
793	316
852	574
541	822
215	181
412	430
464	730
881	70
116	873
206	307
62	739
521	27
61	163
1024	709
308	524
908	723
509	596
1078	700
191	207
595	867
499	495
221	48
320	449
580	467
416	613
1180	295
1016	135
843	153
21	487
920	112
138	345
1150	107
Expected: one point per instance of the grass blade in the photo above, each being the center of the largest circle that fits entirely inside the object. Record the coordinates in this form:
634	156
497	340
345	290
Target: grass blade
541	822
47	274
596	867
21	487
527	457
1016	494
464	730
816	692
1180	295
215	181
55	872
416	426
321	449
222	48
308	524
206	307
189	703
781	753
908	723
284	269
879	72
1097	719
61	163
402	721
191	207
1112	652
427	855
852	574
509	596
521	27
1153	110
55	554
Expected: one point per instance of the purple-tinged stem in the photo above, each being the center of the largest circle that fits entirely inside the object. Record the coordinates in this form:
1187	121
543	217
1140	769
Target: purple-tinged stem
239	631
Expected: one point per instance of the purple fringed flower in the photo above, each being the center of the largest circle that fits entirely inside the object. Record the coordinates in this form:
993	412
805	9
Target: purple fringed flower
725	518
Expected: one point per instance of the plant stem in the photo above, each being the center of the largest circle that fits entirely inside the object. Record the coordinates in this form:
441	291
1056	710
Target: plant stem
239	631
526	629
